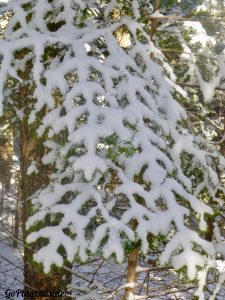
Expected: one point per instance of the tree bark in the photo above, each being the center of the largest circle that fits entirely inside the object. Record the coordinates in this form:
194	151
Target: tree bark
15	231
32	149
132	275
154	25
34	278
6	154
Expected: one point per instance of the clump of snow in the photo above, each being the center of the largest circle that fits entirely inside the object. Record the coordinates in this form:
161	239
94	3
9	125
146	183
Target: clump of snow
157	15
32	168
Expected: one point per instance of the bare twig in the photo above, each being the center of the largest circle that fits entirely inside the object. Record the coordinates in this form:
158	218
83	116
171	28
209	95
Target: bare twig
77	274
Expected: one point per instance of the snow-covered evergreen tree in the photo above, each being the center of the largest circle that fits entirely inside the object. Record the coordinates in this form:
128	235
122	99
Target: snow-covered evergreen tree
116	137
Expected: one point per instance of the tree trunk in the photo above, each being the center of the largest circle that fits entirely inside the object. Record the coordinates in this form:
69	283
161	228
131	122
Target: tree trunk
154	25
6	154
132	275
15	231
32	149
2	199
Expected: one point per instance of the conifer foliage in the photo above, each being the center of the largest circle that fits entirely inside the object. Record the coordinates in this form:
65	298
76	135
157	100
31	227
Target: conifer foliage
126	171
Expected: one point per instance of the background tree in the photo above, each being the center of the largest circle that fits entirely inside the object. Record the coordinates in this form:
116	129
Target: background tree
20	100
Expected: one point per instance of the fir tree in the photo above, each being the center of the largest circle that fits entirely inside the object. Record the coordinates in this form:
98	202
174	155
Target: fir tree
128	176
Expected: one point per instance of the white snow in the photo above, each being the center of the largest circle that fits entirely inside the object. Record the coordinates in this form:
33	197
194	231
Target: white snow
157	15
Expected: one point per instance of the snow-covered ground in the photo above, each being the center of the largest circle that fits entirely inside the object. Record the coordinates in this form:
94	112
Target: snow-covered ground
11	267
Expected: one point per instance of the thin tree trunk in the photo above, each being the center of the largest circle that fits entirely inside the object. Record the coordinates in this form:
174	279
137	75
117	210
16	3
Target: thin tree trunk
6	155
132	275
17	215
2	200
16	230
154	23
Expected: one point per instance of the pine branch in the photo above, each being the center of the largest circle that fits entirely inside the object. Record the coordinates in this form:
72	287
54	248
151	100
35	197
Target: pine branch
195	86
182	19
